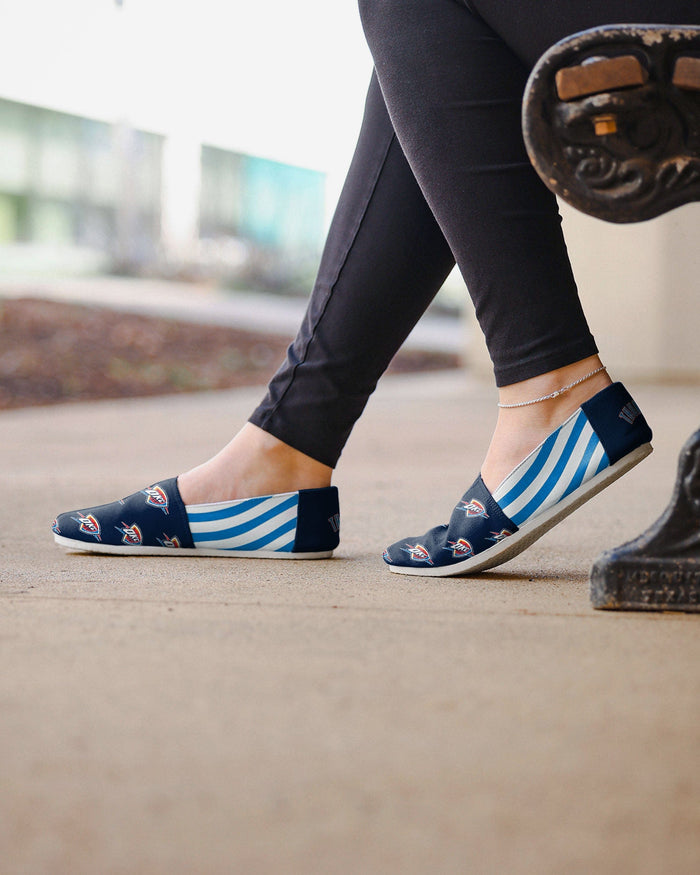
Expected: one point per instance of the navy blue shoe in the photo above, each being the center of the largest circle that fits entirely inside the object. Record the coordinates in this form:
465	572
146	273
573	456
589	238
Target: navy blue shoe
597	444
155	521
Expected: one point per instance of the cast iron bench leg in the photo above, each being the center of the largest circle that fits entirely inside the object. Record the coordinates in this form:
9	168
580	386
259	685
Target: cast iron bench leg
659	570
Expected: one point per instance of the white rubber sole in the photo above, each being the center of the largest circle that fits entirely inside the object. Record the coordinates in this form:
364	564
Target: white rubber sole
123	550
530	531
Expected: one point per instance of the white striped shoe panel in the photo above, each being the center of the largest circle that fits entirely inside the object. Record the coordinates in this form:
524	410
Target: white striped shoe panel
570	456
267	523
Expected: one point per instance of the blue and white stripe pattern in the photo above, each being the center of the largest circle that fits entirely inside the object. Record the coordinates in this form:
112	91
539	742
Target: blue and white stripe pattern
267	523
570	456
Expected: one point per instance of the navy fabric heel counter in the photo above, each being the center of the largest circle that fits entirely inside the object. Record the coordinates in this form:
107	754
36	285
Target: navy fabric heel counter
318	520
618	421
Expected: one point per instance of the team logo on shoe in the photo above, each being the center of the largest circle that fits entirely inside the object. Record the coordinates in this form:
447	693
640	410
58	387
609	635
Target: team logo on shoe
386	556
473	508
497	537
418	553
55	527
630	412
131	534
169	542
461	549
89	525
156	496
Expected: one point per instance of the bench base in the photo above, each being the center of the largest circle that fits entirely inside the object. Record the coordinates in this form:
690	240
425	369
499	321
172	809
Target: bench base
611	120
659	570
636	583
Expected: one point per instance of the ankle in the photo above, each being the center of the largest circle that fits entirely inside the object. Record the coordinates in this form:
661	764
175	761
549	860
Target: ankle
269	460
520	429
254	463
562	389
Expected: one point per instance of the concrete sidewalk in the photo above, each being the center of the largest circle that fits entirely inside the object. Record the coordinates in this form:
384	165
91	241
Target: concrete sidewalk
237	716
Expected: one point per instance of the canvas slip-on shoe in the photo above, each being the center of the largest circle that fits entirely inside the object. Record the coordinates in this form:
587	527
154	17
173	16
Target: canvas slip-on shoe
598	443
155	521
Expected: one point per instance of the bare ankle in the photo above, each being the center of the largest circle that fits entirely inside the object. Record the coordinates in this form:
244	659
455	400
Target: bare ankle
253	463
523	426
561	389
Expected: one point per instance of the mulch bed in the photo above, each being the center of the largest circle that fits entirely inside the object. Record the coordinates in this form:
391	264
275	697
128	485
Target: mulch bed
52	352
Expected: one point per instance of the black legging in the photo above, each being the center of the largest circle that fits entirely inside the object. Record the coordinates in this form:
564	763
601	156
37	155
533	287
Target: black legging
440	174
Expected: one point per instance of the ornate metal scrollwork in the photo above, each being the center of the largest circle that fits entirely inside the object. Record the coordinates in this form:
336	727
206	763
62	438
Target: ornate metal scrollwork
620	147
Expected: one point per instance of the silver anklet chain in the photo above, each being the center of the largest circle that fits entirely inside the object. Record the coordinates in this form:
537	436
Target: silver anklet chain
558	391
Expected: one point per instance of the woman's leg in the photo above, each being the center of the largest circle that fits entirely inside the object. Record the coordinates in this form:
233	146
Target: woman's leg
453	83
453	89
384	261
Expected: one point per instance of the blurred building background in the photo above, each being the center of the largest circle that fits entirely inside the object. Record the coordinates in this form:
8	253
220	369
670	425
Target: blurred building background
141	137
80	193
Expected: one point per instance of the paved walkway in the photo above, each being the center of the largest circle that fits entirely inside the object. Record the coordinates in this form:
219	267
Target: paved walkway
221	716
